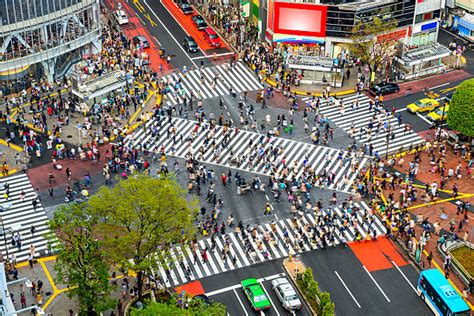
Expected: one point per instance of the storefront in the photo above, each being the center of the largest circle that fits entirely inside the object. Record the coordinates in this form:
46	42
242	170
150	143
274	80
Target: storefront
421	61
316	70
465	25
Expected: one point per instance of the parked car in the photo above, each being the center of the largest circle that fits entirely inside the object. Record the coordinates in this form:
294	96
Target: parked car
190	44
186	8
121	17
198	20
286	294
255	294
423	105
211	37
438	115
384	88
141	40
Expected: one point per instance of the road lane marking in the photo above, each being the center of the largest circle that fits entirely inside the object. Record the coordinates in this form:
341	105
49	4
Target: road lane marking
169	32
439	86
181	25
347	289
268	296
400	110
423	118
216	55
404	276
236	286
240	301
370	275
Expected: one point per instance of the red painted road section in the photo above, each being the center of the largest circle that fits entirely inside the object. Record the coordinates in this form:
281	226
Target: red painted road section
187	24
134	28
192	288
39	175
411	87
377	255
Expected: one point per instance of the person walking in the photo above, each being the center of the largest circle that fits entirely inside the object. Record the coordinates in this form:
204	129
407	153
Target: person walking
268	209
68	174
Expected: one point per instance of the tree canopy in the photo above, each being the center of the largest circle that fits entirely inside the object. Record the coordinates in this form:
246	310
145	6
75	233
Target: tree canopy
461	109
370	48
196	308
80	263
140	218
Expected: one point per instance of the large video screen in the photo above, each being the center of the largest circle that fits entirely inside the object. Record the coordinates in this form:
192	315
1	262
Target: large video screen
300	19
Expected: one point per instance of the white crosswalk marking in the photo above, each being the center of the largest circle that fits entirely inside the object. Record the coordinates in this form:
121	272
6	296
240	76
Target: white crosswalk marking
239	78
360	117
18	215
276	249
321	159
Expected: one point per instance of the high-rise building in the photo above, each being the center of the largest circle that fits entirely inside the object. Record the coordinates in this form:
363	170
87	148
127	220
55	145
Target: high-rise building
41	38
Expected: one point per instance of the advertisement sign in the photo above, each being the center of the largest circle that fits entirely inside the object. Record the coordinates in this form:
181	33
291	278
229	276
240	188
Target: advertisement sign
399	34
300	19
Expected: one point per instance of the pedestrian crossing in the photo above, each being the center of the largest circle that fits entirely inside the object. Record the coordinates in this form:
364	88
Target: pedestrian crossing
18	216
265	242
209	82
233	148
349	116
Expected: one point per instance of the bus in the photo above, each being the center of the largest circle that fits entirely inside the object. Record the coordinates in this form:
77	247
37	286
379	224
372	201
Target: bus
440	296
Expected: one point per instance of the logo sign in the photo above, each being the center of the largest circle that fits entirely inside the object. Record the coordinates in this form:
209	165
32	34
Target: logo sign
297	258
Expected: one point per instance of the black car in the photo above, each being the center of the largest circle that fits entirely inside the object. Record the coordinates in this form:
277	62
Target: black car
190	44
198	20
141	40
384	88
186	8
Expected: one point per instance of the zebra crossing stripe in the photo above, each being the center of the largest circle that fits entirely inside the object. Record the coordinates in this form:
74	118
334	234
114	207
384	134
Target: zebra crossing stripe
19	216
359	117
239	78
238	144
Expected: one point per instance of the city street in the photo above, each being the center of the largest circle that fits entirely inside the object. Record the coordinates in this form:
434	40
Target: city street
273	156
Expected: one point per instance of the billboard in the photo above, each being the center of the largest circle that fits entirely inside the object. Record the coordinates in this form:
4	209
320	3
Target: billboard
299	19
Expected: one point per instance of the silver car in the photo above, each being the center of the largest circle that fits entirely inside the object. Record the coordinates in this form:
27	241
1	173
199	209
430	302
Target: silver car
286	294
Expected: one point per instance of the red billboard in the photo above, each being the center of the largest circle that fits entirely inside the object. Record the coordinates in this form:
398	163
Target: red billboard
300	19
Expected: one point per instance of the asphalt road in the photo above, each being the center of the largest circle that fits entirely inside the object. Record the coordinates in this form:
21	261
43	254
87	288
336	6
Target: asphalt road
330	266
233	297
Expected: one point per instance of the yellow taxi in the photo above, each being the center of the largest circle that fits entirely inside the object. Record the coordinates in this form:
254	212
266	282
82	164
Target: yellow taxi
437	115
422	105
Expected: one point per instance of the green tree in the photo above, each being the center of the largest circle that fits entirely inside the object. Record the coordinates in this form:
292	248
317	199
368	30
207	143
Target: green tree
141	217
461	109
369	44
80	263
196	308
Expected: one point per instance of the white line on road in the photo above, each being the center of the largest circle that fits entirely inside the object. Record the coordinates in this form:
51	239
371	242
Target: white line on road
347	289
370	275
169	32
441	85
423	118
268	296
240	301
401	110
211	56
236	286
404	276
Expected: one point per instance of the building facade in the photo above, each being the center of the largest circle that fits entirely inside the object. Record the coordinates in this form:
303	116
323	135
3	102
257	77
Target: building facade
40	38
324	26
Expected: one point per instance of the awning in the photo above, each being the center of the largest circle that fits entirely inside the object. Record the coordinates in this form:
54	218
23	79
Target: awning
466	23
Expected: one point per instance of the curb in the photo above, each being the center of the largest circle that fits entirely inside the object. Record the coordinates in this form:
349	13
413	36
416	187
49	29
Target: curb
313	312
